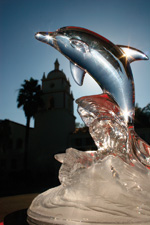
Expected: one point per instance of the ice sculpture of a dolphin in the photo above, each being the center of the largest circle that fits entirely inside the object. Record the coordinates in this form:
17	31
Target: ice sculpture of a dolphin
107	63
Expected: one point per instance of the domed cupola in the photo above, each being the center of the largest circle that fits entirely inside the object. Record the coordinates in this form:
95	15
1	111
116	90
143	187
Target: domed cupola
56	73
55	81
58	101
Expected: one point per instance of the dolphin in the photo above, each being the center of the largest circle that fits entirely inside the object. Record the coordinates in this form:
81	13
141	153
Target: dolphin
107	63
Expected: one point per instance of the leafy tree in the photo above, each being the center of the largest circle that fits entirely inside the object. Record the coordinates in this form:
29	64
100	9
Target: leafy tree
146	110
142	116
29	98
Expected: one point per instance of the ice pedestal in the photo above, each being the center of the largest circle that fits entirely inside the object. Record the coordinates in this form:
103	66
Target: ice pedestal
107	186
108	191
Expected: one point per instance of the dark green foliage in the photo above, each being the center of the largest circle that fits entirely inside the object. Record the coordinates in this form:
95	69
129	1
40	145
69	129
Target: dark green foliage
142	117
79	125
29	98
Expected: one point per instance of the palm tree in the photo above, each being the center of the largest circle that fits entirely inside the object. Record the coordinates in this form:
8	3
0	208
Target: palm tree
29	98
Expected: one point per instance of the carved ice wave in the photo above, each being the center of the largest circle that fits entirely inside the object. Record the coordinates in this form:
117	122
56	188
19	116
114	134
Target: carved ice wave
110	131
95	191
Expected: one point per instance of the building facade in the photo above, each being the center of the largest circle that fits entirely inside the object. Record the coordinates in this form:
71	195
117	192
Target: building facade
11	146
54	123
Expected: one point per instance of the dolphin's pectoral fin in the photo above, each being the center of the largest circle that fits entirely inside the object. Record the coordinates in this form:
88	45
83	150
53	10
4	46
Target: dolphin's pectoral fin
133	54
77	73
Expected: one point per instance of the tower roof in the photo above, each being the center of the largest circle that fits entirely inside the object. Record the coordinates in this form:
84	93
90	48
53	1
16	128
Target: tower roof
56	73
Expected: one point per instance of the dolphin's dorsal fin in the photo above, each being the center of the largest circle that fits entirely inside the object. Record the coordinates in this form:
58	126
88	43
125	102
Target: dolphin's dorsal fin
133	54
77	73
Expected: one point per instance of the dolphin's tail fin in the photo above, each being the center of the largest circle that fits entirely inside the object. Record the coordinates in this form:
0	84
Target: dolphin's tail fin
133	54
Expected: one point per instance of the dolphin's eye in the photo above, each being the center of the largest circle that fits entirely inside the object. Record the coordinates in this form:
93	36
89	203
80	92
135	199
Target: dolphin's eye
79	45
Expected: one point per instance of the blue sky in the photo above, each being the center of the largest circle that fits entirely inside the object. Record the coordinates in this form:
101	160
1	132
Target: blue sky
22	56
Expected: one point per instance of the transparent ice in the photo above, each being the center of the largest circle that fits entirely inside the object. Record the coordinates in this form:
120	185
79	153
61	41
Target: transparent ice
107	186
110	185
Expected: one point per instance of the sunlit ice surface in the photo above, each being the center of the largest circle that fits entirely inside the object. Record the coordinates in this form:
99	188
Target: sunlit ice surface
127	115
107	186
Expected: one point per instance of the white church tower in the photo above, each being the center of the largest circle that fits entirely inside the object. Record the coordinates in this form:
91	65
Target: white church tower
55	122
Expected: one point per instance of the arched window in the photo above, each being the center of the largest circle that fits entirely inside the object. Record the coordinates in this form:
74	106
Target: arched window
14	164
51	103
19	143
52	85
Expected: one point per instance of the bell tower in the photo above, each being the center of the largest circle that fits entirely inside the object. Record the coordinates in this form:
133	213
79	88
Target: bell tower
56	91
55	121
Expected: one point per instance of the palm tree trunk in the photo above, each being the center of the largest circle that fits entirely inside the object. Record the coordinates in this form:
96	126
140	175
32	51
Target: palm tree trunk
26	143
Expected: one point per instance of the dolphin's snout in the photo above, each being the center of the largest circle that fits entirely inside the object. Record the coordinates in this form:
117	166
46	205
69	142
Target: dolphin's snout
44	34
39	35
46	37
